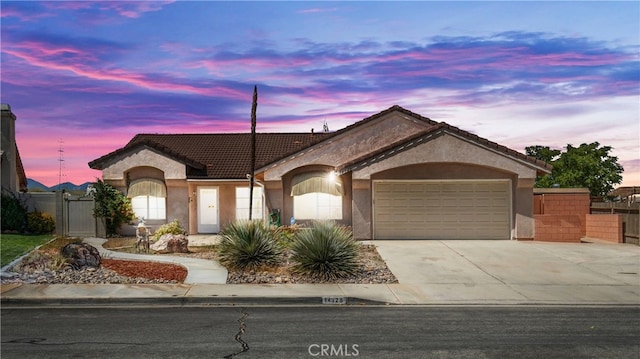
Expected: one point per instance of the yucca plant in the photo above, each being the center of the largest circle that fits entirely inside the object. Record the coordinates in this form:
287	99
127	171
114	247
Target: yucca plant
326	250
248	244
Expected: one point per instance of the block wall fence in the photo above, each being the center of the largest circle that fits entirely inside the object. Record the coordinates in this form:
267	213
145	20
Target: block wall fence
563	215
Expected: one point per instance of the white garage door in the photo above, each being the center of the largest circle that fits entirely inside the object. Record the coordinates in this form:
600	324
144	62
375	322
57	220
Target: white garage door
441	209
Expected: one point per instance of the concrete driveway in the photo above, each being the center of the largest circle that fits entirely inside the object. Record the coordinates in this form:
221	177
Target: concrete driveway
511	271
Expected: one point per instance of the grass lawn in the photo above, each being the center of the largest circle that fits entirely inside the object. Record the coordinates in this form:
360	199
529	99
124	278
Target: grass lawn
13	246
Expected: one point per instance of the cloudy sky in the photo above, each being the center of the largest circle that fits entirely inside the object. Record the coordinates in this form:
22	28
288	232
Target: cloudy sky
85	77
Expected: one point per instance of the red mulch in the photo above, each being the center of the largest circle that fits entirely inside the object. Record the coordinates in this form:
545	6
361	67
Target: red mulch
150	270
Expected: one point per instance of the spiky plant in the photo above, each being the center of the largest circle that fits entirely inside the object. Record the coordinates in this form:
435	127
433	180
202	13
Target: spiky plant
326	250
248	244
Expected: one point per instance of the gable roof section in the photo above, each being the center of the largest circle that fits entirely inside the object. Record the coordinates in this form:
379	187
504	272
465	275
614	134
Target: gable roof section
395	108
226	155
435	132
427	123
218	156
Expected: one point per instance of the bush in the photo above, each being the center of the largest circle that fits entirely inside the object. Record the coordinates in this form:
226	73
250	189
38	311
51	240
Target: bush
248	244
326	250
170	228
111	205
12	212
40	223
285	235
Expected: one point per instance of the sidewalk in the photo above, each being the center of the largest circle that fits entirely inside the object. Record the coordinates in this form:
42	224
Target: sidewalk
198	270
429	273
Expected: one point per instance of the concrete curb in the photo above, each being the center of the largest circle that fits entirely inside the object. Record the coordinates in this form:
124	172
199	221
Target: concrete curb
180	302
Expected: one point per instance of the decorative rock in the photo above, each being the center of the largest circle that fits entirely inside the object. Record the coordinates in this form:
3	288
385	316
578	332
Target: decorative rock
171	243
80	255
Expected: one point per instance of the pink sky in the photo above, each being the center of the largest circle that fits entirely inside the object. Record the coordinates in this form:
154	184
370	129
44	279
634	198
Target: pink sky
88	76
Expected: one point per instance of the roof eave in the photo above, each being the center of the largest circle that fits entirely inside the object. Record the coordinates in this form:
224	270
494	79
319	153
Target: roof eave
97	164
541	167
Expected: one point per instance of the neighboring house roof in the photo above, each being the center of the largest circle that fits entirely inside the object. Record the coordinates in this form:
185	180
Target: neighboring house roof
226	155
624	192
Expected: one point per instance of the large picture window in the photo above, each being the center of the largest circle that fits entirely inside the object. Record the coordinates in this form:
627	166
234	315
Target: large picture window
242	203
317	195
148	198
149	207
317	205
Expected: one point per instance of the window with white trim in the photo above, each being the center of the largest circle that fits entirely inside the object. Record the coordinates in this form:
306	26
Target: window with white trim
148	198
317	195
149	207
317	205
242	203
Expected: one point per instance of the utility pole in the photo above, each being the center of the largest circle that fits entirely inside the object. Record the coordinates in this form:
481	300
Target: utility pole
254	106
60	161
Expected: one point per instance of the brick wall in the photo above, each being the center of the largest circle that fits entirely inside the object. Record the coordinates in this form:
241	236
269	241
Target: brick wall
561	203
607	227
560	214
559	228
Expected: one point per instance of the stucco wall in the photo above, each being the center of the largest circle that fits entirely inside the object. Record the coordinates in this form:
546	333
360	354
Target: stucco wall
8	172
361	211
226	201
449	157
448	149
350	145
144	157
280	195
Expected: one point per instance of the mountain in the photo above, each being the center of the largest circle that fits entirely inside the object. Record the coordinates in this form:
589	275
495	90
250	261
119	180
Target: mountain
33	184
37	186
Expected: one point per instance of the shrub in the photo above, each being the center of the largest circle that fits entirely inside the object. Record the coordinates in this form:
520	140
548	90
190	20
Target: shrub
111	205
170	228
13	212
40	223
285	235
326	250
248	244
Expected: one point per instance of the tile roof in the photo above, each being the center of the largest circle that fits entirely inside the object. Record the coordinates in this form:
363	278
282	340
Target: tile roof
227	155
220	155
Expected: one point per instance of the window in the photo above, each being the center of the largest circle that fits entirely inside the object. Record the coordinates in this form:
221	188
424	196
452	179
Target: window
149	207
317	195
317	205
148	198
242	203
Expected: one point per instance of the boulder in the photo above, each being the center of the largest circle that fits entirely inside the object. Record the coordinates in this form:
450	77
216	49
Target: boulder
171	243
80	255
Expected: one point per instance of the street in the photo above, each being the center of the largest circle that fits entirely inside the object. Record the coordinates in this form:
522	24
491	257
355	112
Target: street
326	331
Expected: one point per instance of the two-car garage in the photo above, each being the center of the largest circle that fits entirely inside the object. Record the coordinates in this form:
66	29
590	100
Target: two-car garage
442	209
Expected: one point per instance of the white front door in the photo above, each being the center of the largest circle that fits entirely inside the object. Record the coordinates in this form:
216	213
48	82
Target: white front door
208	210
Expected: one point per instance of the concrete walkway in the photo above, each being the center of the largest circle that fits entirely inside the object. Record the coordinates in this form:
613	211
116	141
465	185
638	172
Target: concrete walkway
429	273
200	271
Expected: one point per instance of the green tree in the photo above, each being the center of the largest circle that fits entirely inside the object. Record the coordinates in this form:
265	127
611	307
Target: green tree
543	153
589	165
111	205
13	212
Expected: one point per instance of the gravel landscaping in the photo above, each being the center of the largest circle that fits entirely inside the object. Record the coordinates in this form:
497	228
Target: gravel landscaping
372	270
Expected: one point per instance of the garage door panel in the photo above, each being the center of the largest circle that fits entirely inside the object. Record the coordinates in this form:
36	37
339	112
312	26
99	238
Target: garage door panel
442	209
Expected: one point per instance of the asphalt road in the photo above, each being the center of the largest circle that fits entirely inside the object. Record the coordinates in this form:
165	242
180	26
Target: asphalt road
321	332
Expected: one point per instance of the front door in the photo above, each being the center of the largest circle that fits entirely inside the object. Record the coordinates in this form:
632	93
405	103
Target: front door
208	210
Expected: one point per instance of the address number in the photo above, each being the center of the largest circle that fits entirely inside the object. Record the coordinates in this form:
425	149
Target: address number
334	300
